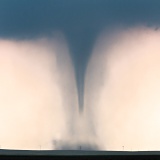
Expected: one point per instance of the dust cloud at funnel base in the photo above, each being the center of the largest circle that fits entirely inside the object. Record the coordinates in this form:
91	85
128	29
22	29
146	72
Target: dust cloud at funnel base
123	89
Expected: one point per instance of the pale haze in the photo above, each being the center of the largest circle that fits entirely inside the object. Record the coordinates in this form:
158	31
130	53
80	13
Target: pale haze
123	89
32	112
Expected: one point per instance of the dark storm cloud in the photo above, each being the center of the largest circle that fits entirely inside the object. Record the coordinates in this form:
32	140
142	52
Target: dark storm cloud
79	20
